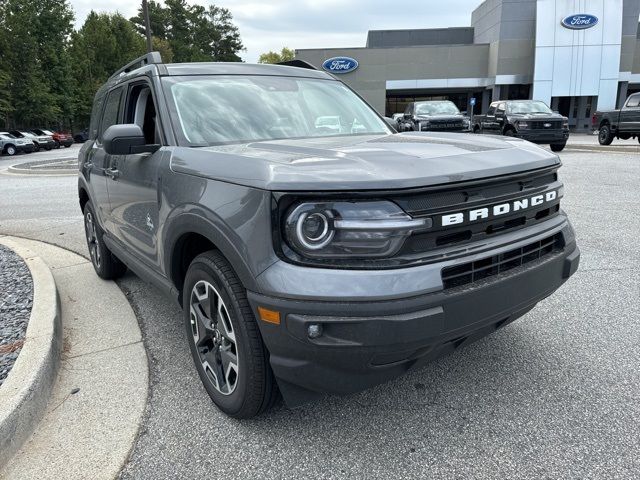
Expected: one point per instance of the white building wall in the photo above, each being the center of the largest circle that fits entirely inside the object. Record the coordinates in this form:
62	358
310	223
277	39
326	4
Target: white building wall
571	63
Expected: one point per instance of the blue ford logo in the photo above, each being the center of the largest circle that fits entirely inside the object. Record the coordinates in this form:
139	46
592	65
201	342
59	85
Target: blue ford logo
340	65
580	21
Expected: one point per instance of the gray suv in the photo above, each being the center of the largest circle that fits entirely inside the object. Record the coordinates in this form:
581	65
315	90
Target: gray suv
312	259
10	145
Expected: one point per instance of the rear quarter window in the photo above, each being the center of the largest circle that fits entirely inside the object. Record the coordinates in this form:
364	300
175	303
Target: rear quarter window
111	111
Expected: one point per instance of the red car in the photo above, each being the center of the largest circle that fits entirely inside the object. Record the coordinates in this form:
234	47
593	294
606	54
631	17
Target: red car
61	139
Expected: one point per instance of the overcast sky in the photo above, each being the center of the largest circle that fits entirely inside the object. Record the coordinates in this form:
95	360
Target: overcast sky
272	24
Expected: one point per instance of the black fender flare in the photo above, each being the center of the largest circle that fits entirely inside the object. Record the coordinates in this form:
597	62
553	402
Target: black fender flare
183	223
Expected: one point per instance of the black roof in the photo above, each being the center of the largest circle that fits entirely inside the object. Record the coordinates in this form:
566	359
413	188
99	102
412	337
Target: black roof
236	68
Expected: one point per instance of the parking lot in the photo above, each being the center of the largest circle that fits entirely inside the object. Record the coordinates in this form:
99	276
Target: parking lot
554	395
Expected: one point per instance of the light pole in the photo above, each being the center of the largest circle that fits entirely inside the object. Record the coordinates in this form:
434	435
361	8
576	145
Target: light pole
147	24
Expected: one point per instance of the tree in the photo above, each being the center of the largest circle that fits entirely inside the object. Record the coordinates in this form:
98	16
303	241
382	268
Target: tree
5	74
103	44
35	91
285	55
194	33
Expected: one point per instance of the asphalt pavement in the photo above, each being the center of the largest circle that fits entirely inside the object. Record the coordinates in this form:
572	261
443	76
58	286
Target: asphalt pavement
554	395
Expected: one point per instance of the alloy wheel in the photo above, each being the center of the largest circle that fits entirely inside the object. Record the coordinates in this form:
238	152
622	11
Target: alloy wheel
92	239
11	150
214	337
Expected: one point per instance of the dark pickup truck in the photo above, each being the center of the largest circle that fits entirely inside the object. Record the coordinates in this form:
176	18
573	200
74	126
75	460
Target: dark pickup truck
433	115
530	120
623	123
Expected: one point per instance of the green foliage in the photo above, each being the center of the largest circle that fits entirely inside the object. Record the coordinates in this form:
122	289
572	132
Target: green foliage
194	33
36	62
285	55
49	73
105	43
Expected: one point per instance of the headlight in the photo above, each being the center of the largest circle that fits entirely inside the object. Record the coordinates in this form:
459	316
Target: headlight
523	125
343	229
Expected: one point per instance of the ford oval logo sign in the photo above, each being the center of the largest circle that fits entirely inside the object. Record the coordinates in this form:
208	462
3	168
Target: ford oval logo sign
340	65
580	21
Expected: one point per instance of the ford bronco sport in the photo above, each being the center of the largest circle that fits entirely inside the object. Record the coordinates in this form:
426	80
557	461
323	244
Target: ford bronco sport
307	259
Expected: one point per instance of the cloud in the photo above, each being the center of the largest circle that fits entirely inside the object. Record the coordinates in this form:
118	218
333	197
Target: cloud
315	23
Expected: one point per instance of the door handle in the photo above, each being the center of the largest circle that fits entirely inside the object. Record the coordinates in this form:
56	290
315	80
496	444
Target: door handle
114	173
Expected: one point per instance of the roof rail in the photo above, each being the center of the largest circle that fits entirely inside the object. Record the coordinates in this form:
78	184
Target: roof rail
297	63
148	59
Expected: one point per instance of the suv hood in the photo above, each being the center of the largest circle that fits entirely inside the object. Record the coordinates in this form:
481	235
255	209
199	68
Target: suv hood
380	162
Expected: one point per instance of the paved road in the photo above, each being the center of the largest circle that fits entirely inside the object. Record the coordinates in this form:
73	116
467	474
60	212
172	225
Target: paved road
555	395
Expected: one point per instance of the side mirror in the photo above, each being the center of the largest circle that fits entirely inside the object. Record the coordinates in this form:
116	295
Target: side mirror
126	139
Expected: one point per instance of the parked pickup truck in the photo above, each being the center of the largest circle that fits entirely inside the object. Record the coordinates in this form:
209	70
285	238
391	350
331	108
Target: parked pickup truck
530	120
433	115
623	124
310	260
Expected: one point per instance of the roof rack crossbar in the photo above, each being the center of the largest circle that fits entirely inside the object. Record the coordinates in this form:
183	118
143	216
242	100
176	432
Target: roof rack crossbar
148	59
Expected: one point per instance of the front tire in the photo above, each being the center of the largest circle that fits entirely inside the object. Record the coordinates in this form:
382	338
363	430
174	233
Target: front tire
605	137
106	265
224	339
10	150
36	147
558	147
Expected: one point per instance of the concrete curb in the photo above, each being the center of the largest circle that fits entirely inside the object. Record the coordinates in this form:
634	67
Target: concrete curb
25	393
16	170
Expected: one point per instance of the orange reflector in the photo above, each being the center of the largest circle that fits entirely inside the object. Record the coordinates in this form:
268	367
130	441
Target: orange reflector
269	316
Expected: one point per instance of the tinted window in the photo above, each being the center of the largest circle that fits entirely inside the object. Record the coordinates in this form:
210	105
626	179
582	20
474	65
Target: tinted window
528	107
111	110
492	110
634	101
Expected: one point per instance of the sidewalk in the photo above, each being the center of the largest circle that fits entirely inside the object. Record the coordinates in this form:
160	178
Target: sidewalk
99	397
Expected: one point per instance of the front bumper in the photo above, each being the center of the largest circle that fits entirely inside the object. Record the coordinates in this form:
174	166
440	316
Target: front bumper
365	343
48	144
27	148
544	136
66	142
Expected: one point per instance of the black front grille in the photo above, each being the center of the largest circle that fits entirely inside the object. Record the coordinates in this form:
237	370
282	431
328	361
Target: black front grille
546	125
487	267
422	204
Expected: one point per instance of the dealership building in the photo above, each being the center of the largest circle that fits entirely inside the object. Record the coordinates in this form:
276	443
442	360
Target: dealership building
575	55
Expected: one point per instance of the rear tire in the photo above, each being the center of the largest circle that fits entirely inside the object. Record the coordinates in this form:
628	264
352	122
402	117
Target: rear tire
558	147
105	263
605	137
224	339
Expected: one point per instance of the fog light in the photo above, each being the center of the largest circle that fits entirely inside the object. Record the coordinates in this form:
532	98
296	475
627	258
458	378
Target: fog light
314	330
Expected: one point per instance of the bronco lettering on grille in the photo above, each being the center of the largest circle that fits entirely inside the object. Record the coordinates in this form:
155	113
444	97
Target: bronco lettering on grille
498	210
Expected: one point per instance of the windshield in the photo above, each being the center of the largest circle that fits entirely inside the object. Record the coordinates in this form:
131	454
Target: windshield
47	132
528	107
232	109
437	108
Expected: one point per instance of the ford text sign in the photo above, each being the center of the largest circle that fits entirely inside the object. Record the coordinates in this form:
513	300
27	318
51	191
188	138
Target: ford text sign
340	65
580	21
